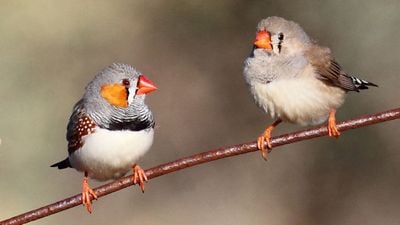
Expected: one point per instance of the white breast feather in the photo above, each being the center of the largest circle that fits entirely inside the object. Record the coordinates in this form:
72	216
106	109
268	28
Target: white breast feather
110	154
301	100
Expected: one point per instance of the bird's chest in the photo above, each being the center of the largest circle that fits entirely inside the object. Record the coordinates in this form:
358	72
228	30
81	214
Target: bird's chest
302	100
269	69
108	154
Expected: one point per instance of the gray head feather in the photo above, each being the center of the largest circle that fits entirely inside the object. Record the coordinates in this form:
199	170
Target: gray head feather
101	111
290	29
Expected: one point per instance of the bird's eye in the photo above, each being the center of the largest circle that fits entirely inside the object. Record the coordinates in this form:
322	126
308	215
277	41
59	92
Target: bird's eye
126	82
280	36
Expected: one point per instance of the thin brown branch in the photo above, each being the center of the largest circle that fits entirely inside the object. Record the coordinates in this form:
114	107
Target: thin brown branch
200	158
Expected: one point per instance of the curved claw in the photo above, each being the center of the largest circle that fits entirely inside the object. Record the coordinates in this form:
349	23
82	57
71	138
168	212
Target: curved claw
87	195
139	176
332	128
265	139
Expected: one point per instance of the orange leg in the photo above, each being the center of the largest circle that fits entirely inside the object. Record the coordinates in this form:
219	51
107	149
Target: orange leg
266	138
332	129
139	176
87	192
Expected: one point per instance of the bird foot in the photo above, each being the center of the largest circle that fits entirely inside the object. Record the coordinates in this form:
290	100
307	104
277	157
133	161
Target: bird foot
265	138
87	193
139	176
332	128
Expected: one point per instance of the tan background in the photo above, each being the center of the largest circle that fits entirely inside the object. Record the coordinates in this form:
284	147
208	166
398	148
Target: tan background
194	52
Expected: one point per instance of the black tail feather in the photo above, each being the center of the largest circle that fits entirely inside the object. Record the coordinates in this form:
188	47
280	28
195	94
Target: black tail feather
361	84
62	164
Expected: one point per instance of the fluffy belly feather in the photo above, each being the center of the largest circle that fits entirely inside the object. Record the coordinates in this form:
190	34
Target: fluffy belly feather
110	154
303	101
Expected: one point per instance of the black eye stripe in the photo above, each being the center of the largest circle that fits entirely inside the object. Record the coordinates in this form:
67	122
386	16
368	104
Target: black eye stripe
137	85
277	42
126	83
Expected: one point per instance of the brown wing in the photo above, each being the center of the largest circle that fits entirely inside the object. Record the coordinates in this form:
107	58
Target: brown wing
328	69
79	125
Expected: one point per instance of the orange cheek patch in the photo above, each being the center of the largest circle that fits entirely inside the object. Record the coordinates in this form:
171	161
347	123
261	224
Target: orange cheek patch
115	94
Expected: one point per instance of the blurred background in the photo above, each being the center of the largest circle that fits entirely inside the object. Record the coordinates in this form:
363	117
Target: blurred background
194	51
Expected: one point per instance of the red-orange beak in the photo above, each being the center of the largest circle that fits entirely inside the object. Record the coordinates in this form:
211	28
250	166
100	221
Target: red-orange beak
263	40
145	85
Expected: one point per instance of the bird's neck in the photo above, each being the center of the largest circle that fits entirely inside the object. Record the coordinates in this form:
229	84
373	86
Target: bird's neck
134	118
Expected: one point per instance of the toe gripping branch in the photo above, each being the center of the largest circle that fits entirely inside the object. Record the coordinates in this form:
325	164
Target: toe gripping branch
87	194
139	176
332	128
264	140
